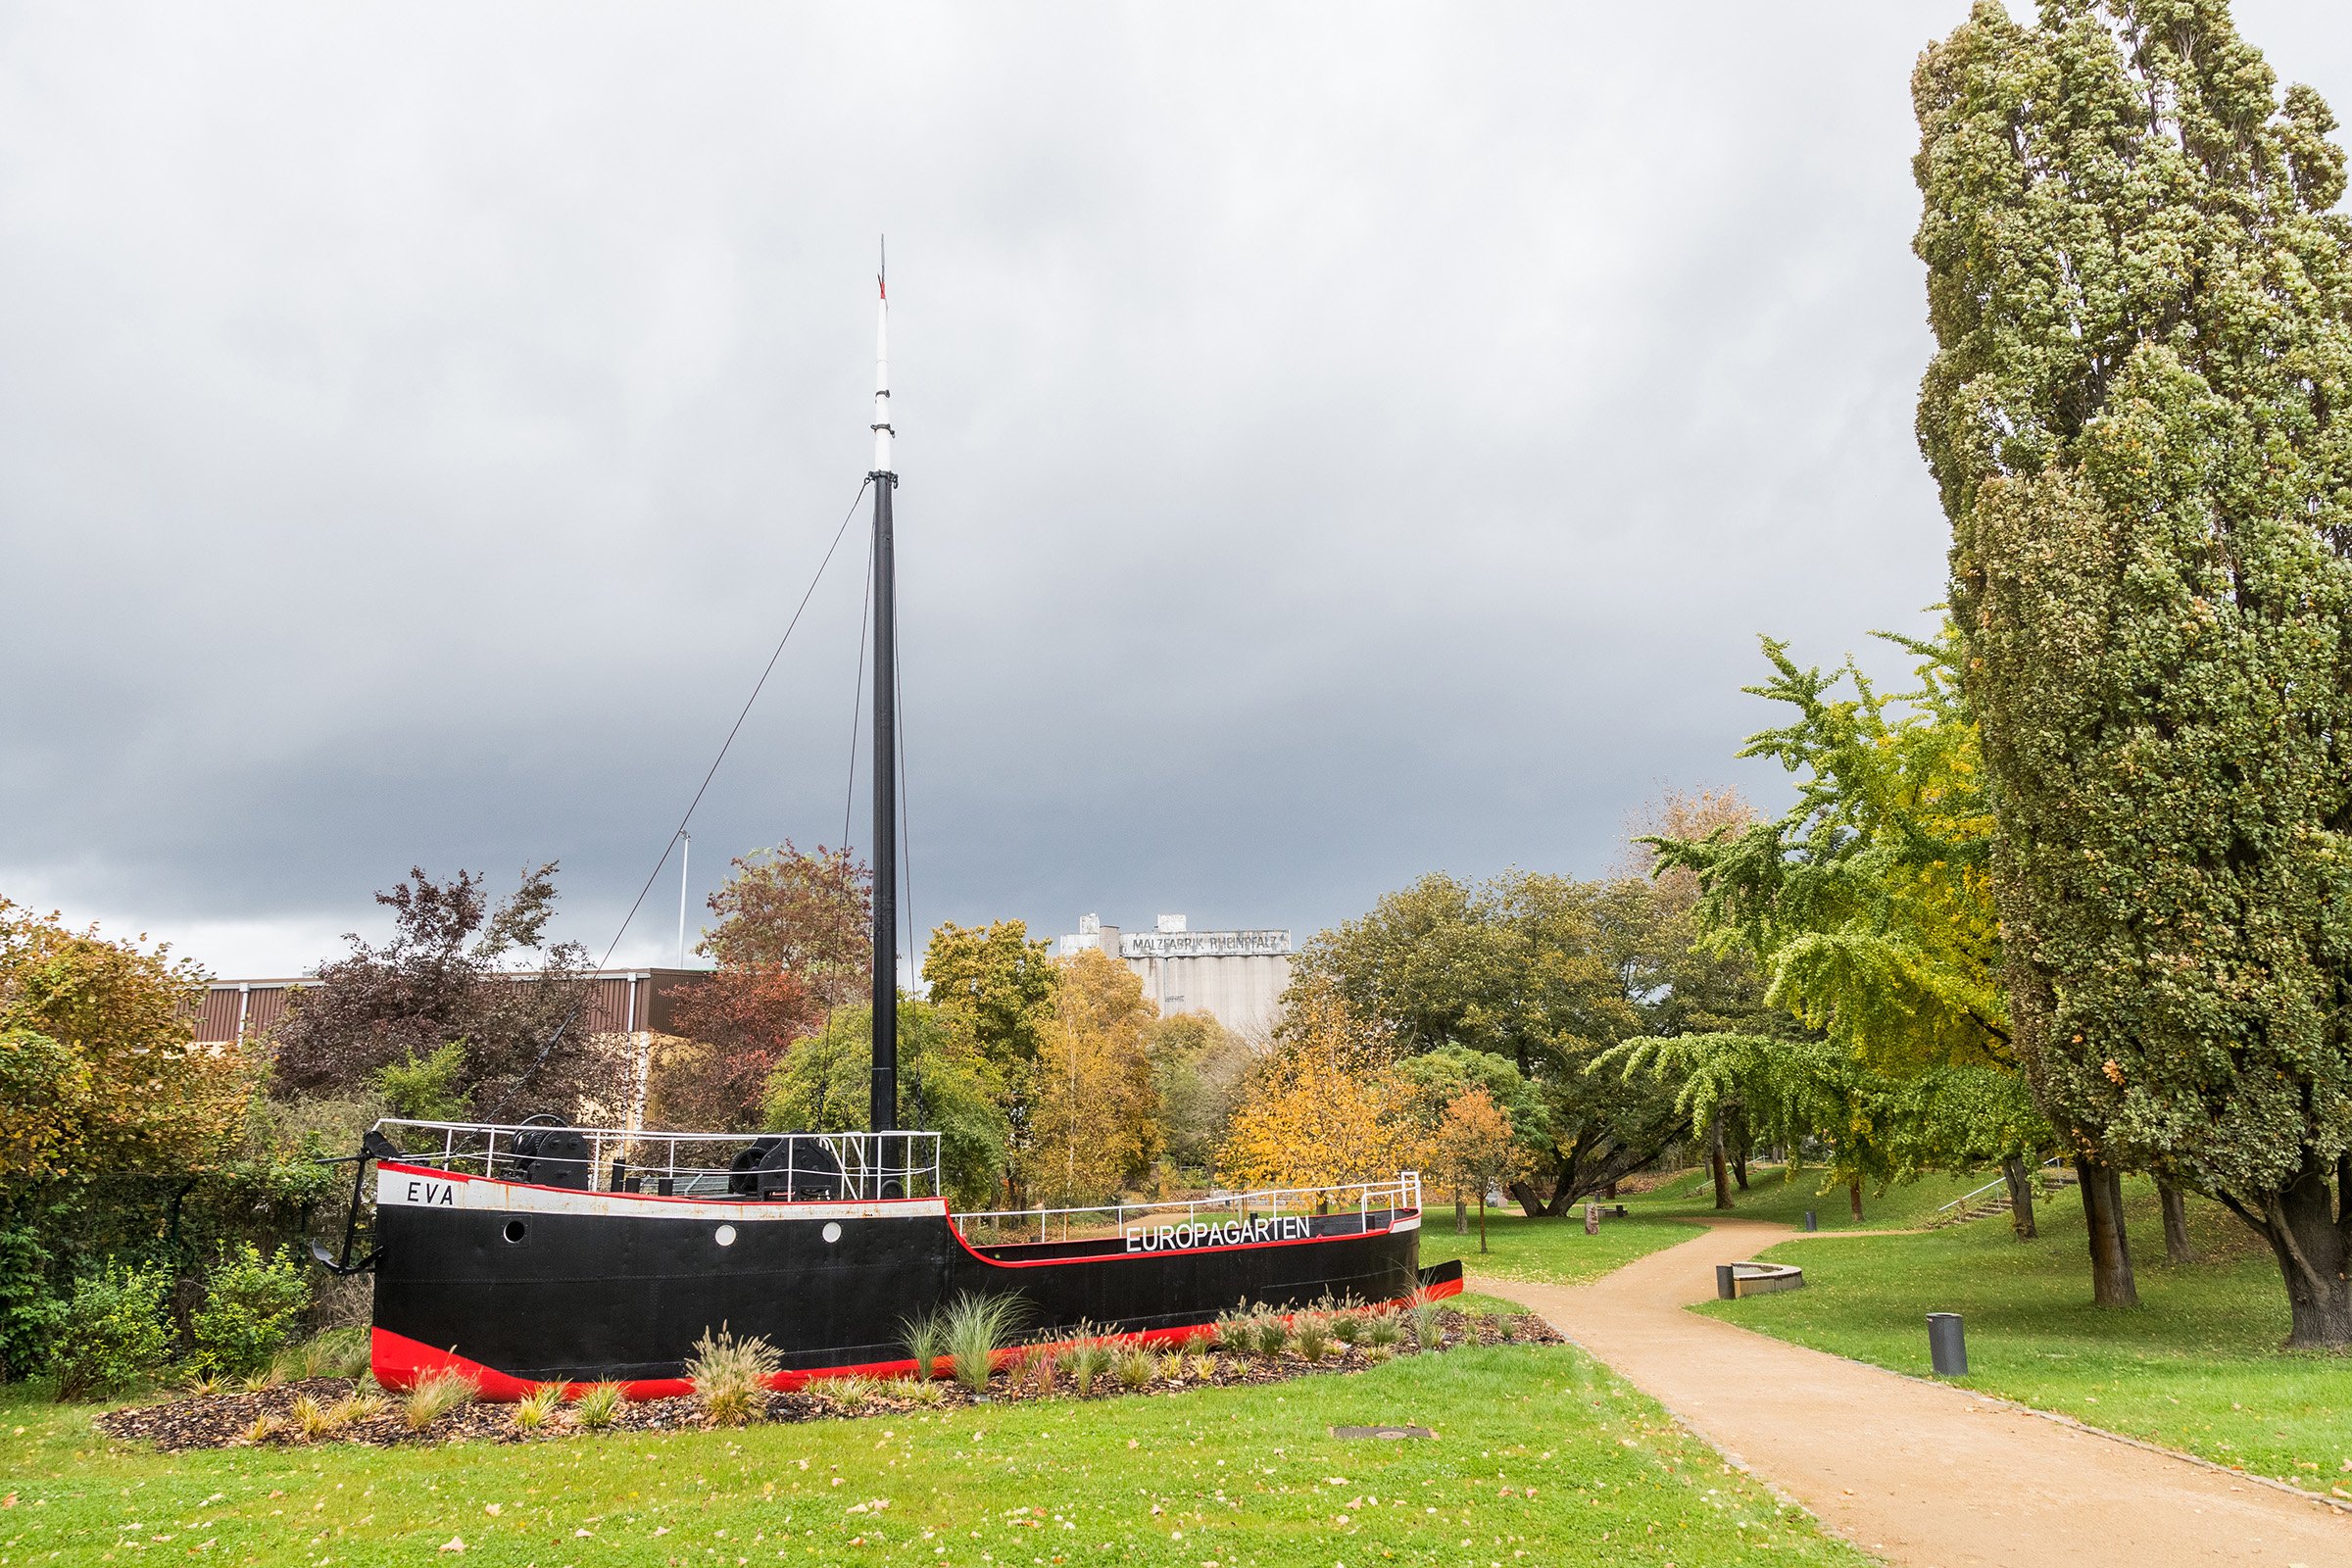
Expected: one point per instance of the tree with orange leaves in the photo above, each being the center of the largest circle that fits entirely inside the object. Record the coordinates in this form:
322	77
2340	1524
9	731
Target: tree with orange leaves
1474	1146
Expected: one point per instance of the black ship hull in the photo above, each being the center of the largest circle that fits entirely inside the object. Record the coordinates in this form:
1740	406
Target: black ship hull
518	1285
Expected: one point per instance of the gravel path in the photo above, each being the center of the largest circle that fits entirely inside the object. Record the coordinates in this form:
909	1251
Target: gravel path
1917	1472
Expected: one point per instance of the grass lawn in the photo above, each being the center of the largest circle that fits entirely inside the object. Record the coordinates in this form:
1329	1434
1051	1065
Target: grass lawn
1782	1196
2195	1367
1540	1458
1554	1251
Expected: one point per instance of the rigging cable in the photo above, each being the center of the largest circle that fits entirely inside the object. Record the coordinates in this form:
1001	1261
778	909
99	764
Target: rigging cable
724	746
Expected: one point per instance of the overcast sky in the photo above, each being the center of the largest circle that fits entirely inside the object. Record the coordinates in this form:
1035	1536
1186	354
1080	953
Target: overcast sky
1336	442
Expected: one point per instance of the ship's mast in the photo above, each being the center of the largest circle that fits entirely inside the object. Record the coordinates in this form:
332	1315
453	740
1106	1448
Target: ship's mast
884	1110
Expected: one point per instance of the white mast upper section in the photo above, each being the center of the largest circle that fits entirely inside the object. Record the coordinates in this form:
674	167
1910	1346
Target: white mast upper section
882	429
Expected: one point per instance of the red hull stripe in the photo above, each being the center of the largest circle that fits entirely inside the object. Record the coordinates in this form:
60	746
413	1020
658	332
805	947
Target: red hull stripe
400	1362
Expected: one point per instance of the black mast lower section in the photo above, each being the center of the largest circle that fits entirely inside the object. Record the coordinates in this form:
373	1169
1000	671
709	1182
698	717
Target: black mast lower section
884	1109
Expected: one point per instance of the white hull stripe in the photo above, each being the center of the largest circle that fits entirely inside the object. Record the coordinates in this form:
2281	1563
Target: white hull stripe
1412	1224
418	1187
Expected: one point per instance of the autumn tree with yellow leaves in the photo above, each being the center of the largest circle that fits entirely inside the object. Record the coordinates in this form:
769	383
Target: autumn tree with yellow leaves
1093	1109
1327	1108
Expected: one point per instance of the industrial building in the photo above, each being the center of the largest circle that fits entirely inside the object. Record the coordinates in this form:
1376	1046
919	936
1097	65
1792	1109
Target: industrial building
1236	977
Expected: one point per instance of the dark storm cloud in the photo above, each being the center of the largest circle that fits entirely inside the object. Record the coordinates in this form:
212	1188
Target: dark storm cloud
1337	442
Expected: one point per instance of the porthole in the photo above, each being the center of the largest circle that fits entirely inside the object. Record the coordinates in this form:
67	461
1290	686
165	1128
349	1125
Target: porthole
832	1231
725	1235
517	1229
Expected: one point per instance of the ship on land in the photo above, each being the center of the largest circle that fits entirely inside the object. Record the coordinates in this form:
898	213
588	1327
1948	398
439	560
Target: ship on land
536	1254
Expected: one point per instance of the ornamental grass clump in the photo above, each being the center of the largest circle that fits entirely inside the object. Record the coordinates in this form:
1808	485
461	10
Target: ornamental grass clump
310	1420
1135	1369
1382	1332
1269	1334
1311	1334
1041	1368
537	1408
1429	1328
1347	1326
1089	1356
730	1375
261	1428
434	1396
597	1406
1233	1331
926	1341
926	1395
977	1328
359	1404
1202	1365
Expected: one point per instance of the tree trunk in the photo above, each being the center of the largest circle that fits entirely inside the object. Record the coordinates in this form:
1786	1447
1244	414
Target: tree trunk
2310	1243
2021	1197
1461	1213
1853	1197
1723	1179
1482	1216
1609	1192
2176	1247
2111	1282
1740	1161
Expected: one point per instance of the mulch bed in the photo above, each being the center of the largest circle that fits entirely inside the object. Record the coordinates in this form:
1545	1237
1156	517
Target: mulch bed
223	1420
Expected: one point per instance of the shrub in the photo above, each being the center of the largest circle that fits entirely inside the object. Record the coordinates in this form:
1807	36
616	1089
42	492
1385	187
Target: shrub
730	1375
537	1408
977	1327
31	1312
426	1088
115	1332
597	1405
434	1396
926	1340
250	1305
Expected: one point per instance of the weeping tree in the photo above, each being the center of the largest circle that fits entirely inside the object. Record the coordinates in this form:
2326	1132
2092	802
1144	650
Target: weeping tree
2143	306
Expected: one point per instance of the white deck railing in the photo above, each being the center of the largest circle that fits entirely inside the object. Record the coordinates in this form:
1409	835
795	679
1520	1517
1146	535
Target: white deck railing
690	1165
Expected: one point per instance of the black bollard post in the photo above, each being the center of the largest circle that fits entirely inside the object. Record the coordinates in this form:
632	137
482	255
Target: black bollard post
1812	1219
1727	1288
1947	1349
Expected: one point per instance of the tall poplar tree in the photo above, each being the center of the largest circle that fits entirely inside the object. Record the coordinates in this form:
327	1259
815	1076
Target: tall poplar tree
2143	306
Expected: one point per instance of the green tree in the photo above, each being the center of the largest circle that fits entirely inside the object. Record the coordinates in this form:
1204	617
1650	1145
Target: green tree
1197	1067
823	1085
1868	908
2142	308
1547	972
995	989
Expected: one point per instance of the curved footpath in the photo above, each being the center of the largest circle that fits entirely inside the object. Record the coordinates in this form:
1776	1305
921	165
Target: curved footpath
1918	1472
